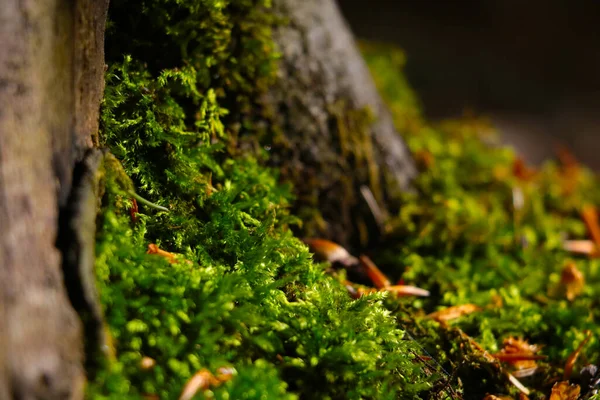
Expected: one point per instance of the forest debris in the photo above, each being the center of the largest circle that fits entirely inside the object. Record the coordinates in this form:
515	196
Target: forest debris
424	159
524	373
586	247
570	169
326	250
407	290
489	357
521	170
518	384
575	354
454	312
375	275
203	380
589	214
172	257
573	281
379	214
566	158
563	391
134	210
381	281
518	198
154	249
519	353
147	363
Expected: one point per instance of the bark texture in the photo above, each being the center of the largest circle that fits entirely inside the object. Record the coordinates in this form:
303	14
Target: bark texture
339	136
51	63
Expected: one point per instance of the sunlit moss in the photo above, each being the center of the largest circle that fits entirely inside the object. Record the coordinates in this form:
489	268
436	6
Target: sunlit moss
242	291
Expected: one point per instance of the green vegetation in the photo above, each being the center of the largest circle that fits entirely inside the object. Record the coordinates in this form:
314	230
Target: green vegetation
242	292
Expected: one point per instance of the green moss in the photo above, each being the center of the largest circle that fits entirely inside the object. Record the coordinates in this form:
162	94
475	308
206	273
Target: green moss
243	292
460	236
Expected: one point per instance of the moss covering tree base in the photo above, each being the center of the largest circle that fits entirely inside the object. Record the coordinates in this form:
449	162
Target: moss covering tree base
243	292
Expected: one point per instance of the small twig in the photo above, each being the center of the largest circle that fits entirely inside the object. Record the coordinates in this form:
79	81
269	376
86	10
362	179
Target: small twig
146	202
378	213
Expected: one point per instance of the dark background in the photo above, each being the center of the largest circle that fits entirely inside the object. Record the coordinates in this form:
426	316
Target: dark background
532	66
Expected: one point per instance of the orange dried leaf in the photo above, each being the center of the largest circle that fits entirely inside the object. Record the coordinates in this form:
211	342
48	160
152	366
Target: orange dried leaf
589	214
406	290
521	170
563	391
573	281
326	250
574	355
154	249
454	312
358	292
203	380
424	159
519	353
375	275
517	357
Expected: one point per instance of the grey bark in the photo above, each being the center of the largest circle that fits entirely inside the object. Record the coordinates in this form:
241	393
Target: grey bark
51	64
323	85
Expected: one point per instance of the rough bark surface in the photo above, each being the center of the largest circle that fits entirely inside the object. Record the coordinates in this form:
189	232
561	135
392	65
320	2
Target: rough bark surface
51	63
333	148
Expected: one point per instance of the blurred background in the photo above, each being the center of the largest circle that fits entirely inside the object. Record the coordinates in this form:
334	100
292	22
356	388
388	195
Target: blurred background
532	66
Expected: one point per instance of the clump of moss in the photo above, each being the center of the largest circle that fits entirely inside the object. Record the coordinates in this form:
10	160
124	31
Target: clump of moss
242	291
477	230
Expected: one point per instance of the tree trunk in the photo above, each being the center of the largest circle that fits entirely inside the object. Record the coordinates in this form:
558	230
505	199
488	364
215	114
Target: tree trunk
341	149
51	74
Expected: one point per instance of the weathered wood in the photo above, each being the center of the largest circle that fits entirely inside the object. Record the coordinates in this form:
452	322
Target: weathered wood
320	103
50	74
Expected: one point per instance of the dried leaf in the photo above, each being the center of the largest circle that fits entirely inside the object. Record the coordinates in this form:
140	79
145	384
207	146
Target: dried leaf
375	275
326	250
574	355
563	391
424	159
586	247
454	312
519	353
147	363
573	281
203	380
589	214
172	257
522	171
406	290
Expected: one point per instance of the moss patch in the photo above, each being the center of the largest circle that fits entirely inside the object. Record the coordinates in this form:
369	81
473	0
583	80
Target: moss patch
479	231
243	292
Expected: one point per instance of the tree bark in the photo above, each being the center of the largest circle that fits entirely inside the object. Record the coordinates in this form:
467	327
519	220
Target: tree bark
341	149
51	74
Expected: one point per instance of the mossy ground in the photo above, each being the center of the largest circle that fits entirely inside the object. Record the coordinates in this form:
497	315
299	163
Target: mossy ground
244	292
